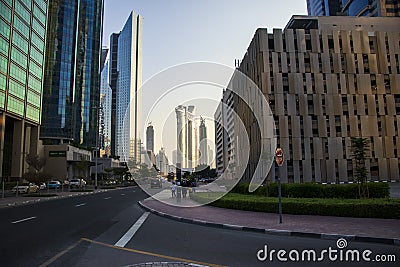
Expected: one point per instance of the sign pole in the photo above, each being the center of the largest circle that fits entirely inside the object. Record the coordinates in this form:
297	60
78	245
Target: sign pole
279	195
279	158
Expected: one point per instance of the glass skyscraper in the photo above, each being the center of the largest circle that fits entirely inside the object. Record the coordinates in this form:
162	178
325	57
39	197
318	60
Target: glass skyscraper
72	77
105	112
129	80
323	7
371	8
22	48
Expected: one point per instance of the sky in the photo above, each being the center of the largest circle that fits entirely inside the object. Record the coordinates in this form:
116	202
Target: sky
181	31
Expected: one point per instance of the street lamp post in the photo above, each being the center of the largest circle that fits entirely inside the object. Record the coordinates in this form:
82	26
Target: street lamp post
97	144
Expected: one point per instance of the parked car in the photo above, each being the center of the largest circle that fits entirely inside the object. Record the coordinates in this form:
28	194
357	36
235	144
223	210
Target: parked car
42	186
77	183
155	183
25	188
54	184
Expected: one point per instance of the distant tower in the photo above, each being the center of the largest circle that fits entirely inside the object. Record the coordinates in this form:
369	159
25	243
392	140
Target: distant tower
203	157
186	136
150	138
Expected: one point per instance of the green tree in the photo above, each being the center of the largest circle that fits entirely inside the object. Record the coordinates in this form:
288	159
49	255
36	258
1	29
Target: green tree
34	174
359	148
82	166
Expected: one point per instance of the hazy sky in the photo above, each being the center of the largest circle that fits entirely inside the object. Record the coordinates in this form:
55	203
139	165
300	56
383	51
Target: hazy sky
180	31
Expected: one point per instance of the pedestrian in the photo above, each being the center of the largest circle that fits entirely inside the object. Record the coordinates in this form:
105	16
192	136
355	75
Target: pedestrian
173	190
184	191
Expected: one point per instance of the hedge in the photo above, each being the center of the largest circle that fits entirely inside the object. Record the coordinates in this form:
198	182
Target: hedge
364	208
313	190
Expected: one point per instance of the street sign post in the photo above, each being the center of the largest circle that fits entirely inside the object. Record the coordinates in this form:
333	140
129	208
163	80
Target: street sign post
279	158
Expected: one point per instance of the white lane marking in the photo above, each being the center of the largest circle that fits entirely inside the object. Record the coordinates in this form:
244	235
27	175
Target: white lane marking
122	194
107	197
83	204
23	220
132	231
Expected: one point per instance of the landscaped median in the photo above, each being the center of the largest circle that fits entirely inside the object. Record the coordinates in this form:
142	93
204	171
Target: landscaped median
365	208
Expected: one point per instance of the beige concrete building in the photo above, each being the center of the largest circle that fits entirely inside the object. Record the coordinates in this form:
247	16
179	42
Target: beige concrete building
328	79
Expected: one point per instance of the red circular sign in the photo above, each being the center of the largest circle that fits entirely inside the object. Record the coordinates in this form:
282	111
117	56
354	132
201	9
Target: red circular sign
279	157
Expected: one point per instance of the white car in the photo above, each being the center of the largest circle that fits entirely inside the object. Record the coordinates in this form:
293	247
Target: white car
77	183
25	188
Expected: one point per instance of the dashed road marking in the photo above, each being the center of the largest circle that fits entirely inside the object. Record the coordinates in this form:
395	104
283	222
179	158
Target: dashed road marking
107	198
24	220
79	205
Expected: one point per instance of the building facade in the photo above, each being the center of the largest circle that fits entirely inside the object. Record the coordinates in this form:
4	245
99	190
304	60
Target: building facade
128	97
324	7
112	79
203	146
371	8
150	138
105	112
23	26
326	81
72	73
186	136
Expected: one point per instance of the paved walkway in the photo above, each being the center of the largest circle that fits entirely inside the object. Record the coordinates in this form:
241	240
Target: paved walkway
327	226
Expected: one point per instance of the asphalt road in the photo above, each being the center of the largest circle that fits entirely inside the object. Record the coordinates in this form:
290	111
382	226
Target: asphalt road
83	231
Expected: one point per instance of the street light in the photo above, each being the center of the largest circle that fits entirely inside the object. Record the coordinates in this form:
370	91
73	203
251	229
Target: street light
97	143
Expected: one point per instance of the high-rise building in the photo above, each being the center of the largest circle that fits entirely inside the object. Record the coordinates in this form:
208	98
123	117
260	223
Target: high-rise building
23	27
106	109
186	136
161	161
204	147
113	75
323	7
128	97
72	74
326	81
150	138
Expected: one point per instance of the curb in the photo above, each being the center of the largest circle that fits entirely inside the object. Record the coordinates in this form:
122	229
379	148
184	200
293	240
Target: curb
386	241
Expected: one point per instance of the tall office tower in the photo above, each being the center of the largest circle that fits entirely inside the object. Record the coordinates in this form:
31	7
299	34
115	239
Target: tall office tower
204	147
72	73
22	49
113	75
162	162
371	8
105	111
129	81
150	138
326	81
323	7
186	136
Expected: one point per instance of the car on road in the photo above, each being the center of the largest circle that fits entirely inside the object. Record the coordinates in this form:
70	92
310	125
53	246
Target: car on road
54	185
155	183
25	188
77	183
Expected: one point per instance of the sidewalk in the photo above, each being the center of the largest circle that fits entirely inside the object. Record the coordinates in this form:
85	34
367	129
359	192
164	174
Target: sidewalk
326	227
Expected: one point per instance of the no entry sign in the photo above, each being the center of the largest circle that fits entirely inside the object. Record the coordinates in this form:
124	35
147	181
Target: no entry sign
279	157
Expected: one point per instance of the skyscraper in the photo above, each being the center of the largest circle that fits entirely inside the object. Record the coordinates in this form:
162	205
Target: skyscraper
129	80
72	73
150	138
203	157
323	7
186	136
105	111
22	48
113	75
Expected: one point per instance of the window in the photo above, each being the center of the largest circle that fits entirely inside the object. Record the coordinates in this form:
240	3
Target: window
20	42
15	105
16	89
21	26
19	57
4	29
22	12
4	47
18	73
5	11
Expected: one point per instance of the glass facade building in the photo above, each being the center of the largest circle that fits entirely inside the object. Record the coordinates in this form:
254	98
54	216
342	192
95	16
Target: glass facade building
22	49
129	80
323	7
72	77
105	112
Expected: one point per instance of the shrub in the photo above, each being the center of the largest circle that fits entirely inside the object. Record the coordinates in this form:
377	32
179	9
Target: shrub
313	190
364	208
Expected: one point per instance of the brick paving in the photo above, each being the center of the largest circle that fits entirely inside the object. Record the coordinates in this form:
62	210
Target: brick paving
368	227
